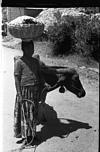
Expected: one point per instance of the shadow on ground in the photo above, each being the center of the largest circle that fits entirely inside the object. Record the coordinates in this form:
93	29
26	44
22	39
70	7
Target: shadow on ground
54	126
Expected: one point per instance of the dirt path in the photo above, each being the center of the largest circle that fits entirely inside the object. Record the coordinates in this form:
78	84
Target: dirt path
77	130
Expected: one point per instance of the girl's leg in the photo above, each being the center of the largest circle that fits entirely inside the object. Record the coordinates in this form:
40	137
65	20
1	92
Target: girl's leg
17	118
29	125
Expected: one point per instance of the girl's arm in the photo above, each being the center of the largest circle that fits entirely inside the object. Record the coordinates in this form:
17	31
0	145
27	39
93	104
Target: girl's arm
17	84
17	76
48	69
18	88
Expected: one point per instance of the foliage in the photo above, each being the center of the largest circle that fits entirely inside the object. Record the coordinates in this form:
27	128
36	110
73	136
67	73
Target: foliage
93	39
61	35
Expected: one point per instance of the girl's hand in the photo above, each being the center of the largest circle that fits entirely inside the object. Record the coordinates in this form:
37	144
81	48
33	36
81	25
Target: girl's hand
47	86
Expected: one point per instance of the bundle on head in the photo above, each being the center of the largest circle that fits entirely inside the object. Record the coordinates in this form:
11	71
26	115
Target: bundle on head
26	27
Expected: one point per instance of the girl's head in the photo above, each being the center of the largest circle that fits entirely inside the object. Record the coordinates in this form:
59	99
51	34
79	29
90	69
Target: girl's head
27	48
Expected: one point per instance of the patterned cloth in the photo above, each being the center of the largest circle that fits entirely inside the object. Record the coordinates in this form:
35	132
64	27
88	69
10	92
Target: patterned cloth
21	126
28	71
32	84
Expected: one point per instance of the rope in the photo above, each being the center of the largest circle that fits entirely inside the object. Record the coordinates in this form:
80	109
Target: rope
48	89
76	88
29	124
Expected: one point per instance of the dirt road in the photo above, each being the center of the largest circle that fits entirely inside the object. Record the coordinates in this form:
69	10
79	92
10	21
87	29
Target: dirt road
77	130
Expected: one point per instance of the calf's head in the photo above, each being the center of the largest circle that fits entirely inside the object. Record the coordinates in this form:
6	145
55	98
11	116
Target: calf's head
72	83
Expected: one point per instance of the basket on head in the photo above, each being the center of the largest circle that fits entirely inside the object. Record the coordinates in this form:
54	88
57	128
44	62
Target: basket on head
25	27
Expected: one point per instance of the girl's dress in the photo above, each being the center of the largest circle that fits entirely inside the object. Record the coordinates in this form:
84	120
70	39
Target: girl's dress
31	80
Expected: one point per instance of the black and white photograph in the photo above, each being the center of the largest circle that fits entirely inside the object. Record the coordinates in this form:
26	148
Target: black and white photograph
50	75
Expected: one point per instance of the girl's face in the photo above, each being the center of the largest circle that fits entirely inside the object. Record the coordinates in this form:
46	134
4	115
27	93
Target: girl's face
29	50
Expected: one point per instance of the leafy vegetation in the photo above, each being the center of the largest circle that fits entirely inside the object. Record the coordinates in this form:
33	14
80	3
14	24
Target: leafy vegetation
74	32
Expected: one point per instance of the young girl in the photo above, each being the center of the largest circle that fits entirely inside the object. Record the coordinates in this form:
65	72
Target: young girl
28	81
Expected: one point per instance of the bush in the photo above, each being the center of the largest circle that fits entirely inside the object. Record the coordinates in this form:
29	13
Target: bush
72	30
43	37
94	42
61	35
92	10
93	39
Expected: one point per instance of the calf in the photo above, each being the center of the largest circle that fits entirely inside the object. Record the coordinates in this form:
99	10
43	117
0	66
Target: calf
69	79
